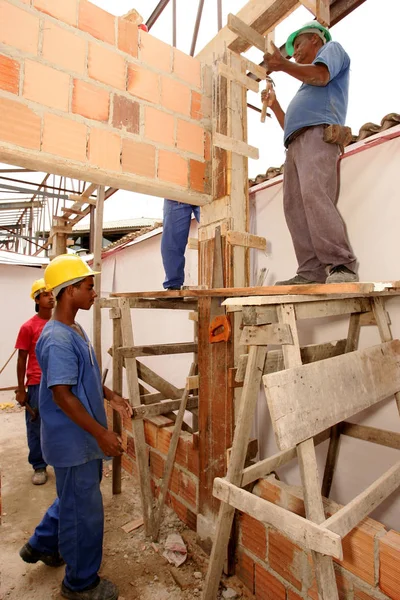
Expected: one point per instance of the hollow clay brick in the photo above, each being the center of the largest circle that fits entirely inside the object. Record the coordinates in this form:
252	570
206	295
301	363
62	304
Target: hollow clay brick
175	96
150	434
18	28
66	10
197	176
159	126
188	490
106	66
154	52
389	572
96	21
64	48
143	83
139	158
46	85
126	114
187	68
128	37
157	464
190	137
164	439
104	149
253	536
245	569
90	101
64	137
9	74
286	558
268	587
22	125
174	169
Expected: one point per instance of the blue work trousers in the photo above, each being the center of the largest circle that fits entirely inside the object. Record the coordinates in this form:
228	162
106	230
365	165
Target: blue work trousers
74	524
176	225
35	457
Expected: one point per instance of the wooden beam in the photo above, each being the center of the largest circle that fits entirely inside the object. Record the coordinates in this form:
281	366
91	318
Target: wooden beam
390	439
320	9
247	240
259	72
252	37
266	334
98	246
238	77
307	534
192	382
158	349
157	382
362	505
162	408
237	146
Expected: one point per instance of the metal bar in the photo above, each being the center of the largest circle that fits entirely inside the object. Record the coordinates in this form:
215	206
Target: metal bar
219	8
174	23
196	27
19	205
39	185
27	191
156	13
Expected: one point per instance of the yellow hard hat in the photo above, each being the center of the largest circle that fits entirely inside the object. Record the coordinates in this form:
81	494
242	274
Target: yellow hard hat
38	287
64	268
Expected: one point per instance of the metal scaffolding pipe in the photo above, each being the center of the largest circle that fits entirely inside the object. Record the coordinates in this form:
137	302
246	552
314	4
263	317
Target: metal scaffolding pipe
196	27
156	13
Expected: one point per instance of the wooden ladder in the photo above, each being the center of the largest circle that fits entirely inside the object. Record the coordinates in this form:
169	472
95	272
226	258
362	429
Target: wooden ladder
308	405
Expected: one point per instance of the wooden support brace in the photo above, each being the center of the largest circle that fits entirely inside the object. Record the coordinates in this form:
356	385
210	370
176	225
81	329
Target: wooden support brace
245	32
238	77
82	199
157	382
194	316
157	349
192	382
256	70
307	534
162	408
320	9
264	335
390	439
247	240
237	146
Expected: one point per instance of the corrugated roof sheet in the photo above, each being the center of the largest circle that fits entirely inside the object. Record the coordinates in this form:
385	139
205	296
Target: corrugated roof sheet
368	129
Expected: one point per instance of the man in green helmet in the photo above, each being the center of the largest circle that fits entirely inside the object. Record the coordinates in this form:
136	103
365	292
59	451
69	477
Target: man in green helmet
310	186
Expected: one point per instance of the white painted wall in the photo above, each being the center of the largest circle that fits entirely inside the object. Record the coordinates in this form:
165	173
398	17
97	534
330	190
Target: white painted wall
370	204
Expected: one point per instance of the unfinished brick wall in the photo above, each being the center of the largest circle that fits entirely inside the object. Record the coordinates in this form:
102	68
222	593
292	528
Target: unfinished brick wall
87	94
269	564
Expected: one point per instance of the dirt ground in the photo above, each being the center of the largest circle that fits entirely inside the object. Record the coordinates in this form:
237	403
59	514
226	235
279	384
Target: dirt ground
129	560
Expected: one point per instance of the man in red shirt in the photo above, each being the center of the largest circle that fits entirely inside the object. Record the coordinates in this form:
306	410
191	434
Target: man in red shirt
26	344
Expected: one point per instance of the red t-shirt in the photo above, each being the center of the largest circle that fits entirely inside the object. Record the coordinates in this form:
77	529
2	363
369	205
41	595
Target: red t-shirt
26	340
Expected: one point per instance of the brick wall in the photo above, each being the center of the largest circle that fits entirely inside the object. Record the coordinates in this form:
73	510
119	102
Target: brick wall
88	94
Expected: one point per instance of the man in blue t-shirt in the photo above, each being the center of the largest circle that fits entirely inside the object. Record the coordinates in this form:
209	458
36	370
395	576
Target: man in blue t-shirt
310	184
75	438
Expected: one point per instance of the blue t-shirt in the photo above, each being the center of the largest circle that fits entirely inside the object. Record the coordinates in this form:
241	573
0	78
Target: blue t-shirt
67	359
316	105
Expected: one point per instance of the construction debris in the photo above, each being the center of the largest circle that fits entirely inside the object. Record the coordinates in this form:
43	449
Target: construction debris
175	550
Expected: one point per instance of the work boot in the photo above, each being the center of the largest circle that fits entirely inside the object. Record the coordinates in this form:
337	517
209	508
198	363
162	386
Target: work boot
39	477
297	280
341	274
30	555
103	590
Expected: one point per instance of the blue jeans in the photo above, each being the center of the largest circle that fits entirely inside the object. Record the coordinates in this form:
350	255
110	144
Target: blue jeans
176	225
74	524
35	457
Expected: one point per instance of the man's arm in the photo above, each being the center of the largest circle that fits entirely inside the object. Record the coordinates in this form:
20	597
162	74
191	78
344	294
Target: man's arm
108	441
317	75
21	394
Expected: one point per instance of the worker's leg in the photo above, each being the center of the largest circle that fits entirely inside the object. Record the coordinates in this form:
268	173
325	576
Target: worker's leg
317	166
45	538
309	267
176	224
35	457
81	523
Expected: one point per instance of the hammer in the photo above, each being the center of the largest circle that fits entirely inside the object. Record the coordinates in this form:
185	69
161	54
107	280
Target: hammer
32	411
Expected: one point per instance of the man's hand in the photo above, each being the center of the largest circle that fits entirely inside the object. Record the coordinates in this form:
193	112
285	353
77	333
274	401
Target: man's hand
274	61
110	443
268	96
21	397
121	405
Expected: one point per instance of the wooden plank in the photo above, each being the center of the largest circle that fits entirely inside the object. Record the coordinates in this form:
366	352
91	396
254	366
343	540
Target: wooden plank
192	382
234	145
238	77
266	466
240	295
215	211
167	303
301	531
332	308
157	382
234	475
193	244
323	565
158	349
163	408
98	246
81	199
320	9
252	37
264	335
257	70
169	464
247	240
241	368
194	316
304	401
353	336
117	378
252	451
391	439
362	505
137	425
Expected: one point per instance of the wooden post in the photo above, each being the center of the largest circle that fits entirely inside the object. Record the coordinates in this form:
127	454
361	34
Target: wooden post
117	373
98	239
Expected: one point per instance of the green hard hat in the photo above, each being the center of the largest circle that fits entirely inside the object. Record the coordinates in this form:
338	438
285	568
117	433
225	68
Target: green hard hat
312	25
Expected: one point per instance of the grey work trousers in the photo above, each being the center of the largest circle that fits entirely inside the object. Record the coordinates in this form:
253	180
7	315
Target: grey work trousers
310	190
